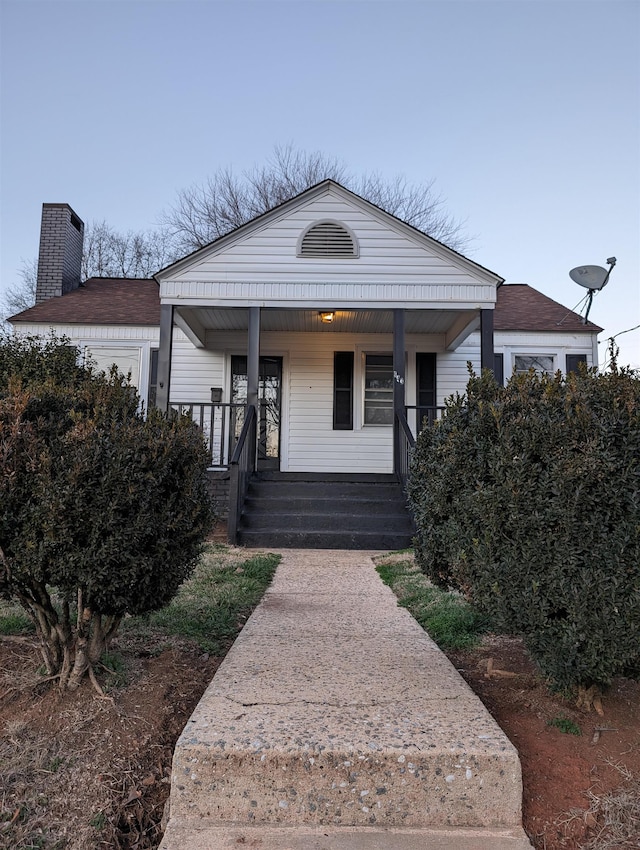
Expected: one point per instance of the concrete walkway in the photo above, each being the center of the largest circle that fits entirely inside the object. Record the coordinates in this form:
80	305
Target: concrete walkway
335	723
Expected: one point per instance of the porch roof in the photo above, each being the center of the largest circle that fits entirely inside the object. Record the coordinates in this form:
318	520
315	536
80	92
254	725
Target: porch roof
118	301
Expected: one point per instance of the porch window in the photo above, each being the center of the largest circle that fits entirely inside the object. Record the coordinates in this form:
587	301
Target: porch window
378	389
343	391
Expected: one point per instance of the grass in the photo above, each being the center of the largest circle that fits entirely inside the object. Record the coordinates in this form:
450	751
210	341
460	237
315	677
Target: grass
13	620
448	618
209	610
212	606
564	724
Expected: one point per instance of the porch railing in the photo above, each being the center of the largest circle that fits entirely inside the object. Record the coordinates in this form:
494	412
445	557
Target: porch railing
220	424
418	417
407	427
404	444
242	465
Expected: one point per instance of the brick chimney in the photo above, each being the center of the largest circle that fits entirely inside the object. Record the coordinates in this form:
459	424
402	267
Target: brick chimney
60	256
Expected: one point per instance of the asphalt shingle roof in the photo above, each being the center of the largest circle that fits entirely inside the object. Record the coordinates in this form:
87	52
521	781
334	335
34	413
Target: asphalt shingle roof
100	301
520	307
130	301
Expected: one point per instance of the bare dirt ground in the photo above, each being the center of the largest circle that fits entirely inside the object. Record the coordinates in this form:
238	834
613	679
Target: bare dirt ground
573	784
84	772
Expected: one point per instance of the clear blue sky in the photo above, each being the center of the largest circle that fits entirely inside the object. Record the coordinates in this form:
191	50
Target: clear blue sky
525	112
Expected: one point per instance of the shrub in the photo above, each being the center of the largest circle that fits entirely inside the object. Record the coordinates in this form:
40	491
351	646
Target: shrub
103	510
527	498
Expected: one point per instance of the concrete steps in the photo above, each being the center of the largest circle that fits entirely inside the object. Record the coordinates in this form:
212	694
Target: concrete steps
336	723
315	511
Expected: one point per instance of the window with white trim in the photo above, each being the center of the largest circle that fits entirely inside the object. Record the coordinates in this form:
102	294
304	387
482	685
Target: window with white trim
378	389
125	358
540	363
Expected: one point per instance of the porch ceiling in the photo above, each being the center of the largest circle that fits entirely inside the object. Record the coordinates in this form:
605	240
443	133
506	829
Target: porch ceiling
308	321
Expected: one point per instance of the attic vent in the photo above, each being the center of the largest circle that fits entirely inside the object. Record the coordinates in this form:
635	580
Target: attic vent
327	239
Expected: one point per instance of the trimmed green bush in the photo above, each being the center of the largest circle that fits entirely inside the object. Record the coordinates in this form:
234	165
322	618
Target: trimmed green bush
103	510
527	498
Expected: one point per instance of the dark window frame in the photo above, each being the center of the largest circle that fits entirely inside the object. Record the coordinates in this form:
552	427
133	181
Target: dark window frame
575	359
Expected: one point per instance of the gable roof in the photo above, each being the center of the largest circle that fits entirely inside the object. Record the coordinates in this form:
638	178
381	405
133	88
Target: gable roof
520	307
99	301
319	192
135	301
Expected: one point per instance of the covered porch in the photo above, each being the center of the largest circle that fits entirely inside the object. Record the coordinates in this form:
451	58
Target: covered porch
314	390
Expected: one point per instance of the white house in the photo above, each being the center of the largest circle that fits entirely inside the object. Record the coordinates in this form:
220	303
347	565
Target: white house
341	326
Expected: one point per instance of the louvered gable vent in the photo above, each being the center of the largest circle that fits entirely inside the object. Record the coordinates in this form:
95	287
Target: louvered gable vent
328	239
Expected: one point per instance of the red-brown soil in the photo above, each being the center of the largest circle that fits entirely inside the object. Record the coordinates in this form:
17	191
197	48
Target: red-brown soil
563	774
94	773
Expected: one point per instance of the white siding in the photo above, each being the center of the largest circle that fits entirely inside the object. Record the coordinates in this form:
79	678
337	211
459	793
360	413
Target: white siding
130	346
308	441
558	345
395	264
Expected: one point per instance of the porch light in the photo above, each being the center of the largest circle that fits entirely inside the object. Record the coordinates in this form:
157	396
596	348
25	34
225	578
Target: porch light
327	318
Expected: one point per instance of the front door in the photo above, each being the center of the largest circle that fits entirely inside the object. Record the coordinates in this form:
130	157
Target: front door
269	398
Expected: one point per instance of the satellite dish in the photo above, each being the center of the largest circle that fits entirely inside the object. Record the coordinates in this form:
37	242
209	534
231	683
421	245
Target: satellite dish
591	277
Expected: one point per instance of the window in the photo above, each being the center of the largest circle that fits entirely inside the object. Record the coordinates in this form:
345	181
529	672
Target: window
125	359
378	389
540	363
498	368
343	391
573	362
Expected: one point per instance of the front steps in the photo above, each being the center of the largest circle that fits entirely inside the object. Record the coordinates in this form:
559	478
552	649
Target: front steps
335	723
332	511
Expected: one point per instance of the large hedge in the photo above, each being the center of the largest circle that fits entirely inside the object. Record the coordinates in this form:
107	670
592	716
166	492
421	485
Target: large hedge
102	510
527	498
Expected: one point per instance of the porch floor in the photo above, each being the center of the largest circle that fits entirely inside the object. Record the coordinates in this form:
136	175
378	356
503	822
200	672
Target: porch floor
335	723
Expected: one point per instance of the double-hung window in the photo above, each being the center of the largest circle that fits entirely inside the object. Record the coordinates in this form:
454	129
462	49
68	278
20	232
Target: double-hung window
378	389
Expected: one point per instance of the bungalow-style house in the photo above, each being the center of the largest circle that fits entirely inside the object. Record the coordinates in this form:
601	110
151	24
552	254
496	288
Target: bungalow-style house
310	345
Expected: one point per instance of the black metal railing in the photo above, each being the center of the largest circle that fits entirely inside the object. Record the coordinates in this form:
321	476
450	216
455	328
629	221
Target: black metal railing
404	443
242	465
220	424
422	417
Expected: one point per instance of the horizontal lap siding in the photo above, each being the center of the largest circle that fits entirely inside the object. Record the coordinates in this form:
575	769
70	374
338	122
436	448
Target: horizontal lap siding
194	371
452	374
309	442
142	338
107	333
269	254
313	444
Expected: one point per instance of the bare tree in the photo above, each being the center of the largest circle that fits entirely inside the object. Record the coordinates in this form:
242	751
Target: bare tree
106	253
20	296
109	253
225	201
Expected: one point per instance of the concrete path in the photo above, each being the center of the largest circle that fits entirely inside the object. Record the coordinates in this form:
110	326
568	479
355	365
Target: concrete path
335	723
